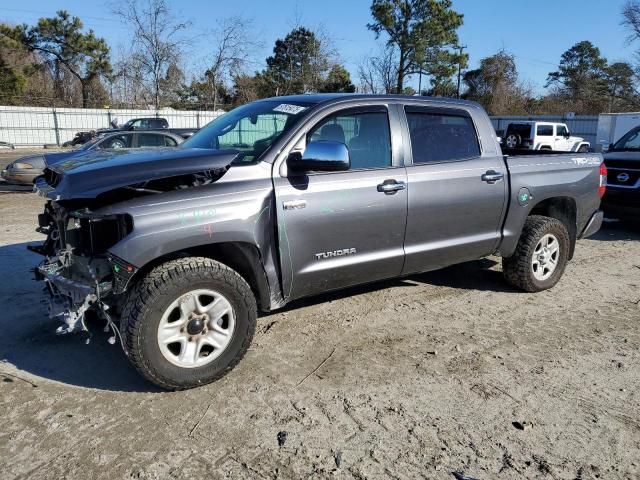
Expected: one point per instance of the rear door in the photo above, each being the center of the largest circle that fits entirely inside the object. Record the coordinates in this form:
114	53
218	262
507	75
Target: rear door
456	193
545	136
342	228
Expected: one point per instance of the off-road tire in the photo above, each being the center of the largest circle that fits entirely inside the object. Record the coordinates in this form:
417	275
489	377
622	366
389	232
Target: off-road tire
518	269
152	295
583	149
518	140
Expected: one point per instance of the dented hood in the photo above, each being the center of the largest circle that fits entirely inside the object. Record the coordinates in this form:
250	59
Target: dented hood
89	175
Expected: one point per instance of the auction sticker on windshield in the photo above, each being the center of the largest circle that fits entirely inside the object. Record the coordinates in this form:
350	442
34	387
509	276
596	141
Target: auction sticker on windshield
288	108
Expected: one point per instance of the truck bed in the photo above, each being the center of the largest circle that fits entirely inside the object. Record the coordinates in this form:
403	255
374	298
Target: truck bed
536	176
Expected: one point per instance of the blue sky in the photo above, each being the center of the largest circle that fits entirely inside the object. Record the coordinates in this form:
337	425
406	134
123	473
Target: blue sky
535	32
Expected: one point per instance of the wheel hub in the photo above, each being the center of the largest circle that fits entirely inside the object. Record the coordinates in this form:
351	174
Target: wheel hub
195	326
545	257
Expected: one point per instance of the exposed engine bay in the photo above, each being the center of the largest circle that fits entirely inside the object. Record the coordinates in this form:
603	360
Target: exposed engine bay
79	273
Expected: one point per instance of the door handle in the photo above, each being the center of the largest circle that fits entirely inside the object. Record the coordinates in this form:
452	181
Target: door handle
389	187
492	176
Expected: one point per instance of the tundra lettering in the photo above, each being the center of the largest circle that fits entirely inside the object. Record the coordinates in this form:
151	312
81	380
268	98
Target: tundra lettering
176	249
336	253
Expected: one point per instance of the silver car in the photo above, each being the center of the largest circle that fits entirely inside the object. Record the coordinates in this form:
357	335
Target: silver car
26	169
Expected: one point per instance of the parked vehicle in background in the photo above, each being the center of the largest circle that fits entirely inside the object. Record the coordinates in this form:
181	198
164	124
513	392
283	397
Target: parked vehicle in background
289	197
145	123
613	126
622	159
26	169
80	138
542	136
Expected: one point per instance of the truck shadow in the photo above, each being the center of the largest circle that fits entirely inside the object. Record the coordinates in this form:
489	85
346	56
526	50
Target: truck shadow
615	230
474	275
29	341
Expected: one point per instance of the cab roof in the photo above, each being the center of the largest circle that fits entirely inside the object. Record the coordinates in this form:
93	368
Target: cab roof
320	98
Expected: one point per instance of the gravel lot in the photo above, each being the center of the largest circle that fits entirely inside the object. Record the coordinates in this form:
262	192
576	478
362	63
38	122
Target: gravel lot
411	378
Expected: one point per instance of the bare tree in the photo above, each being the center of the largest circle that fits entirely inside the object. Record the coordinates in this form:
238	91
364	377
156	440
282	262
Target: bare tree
631	19
234	44
378	73
157	39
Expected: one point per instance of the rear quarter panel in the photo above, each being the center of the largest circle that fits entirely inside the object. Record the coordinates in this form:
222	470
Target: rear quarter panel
576	176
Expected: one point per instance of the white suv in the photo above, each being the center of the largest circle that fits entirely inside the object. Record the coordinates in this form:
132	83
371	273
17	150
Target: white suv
542	136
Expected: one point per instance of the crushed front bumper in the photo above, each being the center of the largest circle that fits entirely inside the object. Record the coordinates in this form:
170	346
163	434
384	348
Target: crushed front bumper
70	299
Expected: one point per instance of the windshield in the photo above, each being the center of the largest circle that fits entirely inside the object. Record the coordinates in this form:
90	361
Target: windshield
251	128
631	141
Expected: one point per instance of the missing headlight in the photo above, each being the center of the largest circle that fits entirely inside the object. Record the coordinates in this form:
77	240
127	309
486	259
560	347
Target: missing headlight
88	234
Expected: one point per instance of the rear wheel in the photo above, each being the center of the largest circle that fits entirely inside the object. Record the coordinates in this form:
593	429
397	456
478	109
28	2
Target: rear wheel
188	322
540	257
583	149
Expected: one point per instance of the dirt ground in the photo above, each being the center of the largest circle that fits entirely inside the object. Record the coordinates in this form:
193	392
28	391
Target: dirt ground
413	378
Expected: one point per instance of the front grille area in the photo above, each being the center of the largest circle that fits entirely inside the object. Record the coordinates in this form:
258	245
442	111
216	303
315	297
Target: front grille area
623	173
52	177
622	177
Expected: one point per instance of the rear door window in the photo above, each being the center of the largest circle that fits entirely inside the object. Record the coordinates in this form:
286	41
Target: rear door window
545	130
441	136
157	123
150	140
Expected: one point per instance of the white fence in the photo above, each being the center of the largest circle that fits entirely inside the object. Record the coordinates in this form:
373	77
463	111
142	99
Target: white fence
38	126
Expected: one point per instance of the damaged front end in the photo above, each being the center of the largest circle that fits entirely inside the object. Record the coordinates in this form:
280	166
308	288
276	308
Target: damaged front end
79	274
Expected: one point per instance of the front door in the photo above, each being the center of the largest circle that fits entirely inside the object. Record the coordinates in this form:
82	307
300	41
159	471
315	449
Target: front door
344	228
562	143
456	193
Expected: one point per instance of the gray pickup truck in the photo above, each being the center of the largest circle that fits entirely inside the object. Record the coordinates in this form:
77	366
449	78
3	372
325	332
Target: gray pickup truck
177	249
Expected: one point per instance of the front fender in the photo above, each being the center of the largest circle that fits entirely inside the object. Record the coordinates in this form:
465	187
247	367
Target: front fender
164	224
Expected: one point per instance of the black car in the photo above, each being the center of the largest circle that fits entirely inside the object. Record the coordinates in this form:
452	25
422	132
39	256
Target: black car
622	198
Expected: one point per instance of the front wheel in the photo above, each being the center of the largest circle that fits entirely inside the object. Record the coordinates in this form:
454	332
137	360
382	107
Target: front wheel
540	257
188	322
583	149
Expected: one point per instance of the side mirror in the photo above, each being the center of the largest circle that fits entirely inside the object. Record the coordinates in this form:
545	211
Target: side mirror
321	156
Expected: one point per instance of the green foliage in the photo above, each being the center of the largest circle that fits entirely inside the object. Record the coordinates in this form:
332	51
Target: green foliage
338	81
61	42
495	85
297	65
582	77
621	87
423	32
12	83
